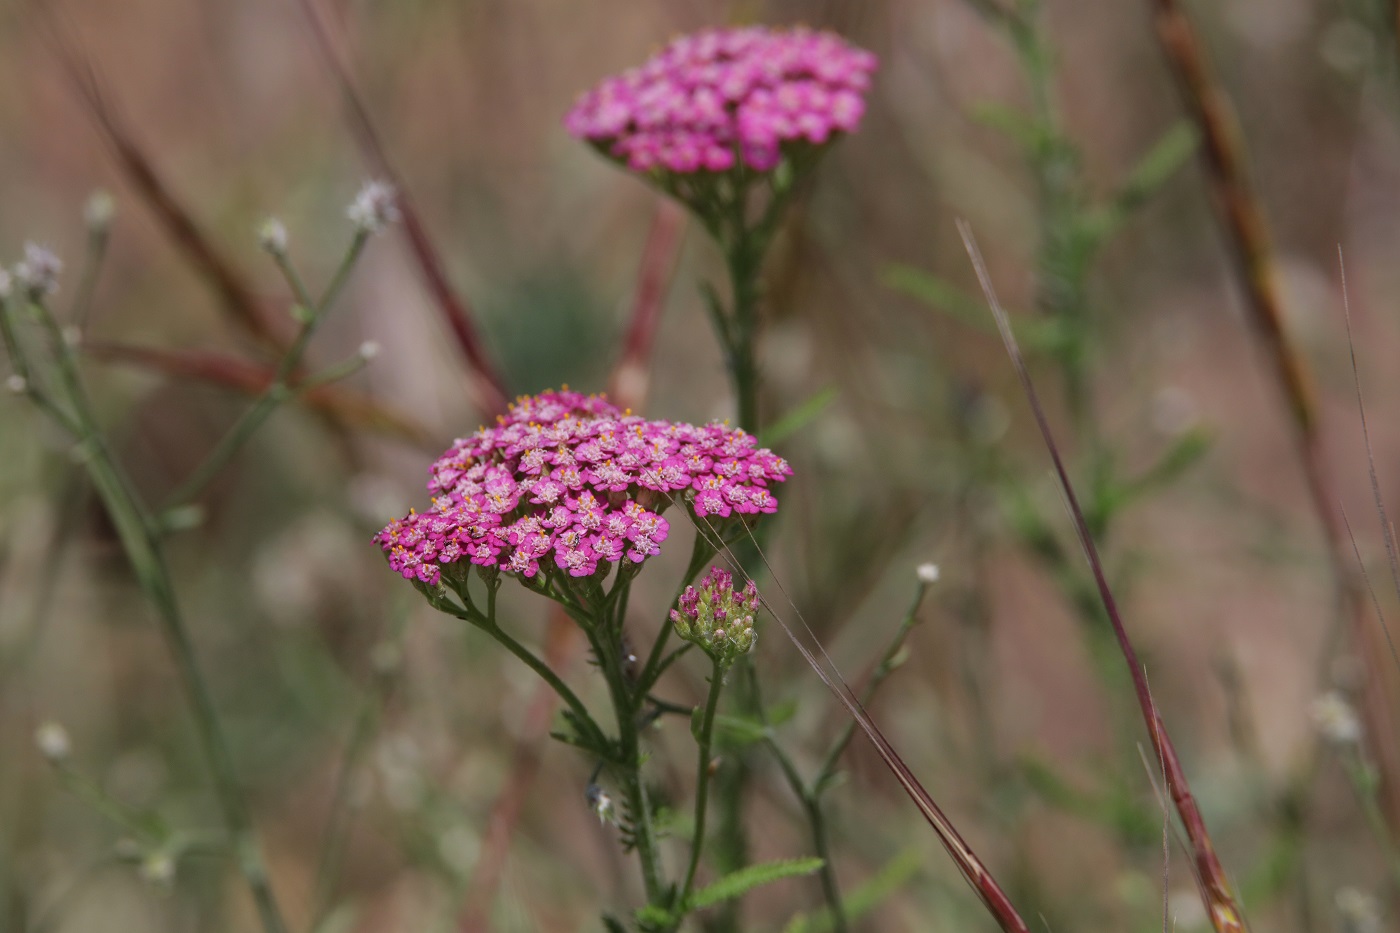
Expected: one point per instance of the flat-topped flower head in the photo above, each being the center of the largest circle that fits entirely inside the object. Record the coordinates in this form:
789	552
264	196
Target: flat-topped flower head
716	617
726	98
569	484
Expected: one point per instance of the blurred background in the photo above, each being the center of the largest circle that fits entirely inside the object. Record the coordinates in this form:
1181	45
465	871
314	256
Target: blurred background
341	691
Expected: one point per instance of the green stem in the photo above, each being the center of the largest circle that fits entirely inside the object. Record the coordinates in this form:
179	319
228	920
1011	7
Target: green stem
883	669
1363	780
487	623
702	782
338	824
136	530
280	389
607	648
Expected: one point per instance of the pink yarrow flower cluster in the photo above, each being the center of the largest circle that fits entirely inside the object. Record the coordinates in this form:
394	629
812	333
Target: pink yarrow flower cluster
711	100
570	479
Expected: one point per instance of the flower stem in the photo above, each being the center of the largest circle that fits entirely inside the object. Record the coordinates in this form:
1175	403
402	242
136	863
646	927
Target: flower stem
137	532
279	389
702	781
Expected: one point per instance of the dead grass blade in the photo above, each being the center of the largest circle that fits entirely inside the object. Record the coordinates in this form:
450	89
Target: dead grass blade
1247	234
1225	914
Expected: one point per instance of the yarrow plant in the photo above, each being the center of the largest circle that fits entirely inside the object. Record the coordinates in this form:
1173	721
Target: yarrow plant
563	492
575	482
728	99
728	121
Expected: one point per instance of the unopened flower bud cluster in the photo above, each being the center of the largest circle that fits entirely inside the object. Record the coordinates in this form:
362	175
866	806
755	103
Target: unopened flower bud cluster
716	617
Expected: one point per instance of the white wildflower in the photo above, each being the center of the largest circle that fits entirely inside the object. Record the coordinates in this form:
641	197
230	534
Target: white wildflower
53	742
38	271
272	237
158	868
99	212
17	384
928	573
1335	719
374	208
369	350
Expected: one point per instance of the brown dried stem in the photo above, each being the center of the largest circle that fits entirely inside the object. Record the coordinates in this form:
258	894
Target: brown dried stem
1225	914
251	378
1247	232
235	296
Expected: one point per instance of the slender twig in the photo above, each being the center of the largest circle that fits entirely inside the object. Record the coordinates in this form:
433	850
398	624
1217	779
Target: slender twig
339	821
1225	914
278	390
138	532
253	378
486	381
883	668
978	878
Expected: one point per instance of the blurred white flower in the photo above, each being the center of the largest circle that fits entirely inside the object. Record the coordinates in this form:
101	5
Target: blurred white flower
158	868
369	350
16	384
38	271
374	208
53	741
928	573
272	237
1335	719
99	212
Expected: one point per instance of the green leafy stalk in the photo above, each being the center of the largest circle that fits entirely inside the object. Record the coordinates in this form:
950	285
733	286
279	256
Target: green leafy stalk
138	533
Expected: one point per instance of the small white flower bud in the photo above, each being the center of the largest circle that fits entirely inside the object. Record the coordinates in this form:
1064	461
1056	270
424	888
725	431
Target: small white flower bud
17	384
1335	719
53	742
928	574
374	208
272	237
369	350
158	868
38	271
99	212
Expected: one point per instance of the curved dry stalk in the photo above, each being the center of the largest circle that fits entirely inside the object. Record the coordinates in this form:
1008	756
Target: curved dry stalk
1225	914
1247	232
